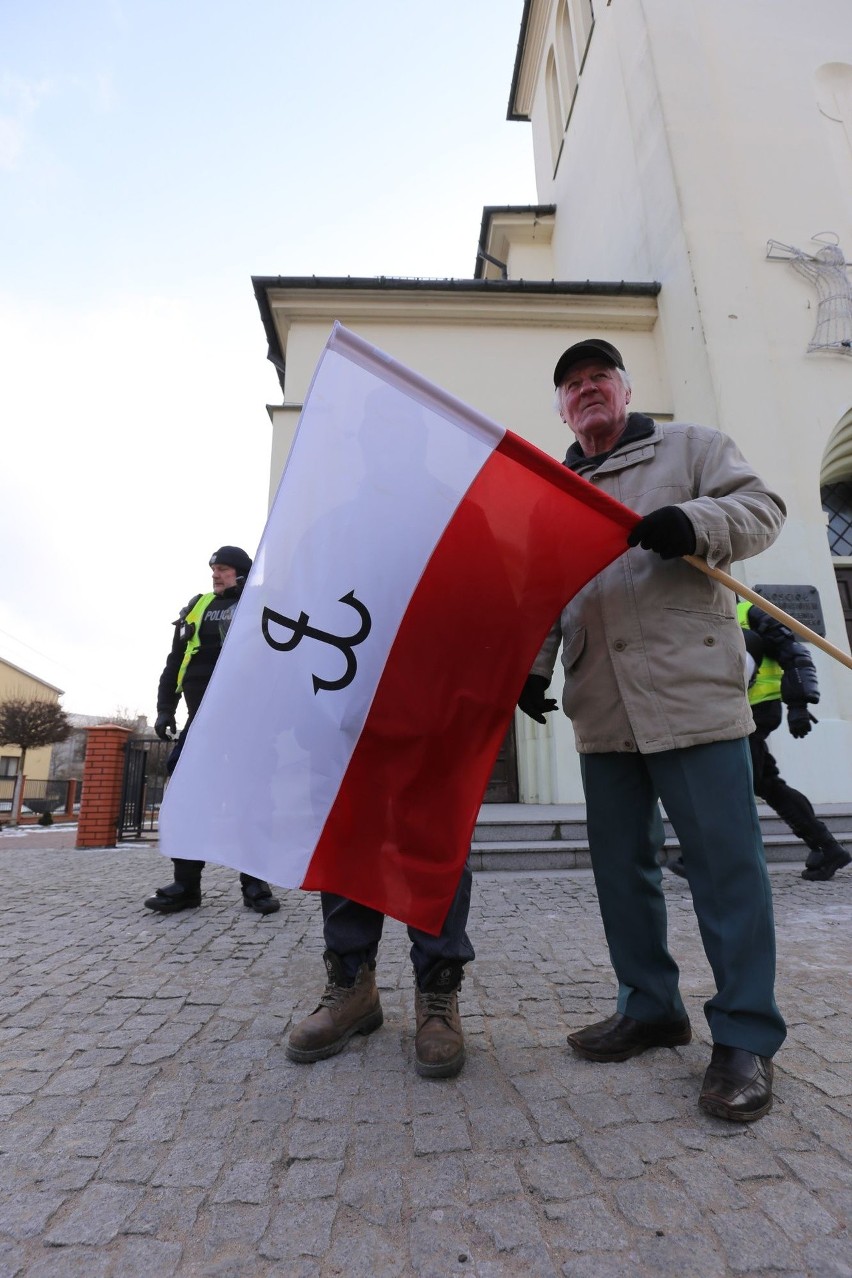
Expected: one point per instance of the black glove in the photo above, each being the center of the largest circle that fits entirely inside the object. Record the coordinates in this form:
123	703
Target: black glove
533	701
165	726
799	720
756	650
668	531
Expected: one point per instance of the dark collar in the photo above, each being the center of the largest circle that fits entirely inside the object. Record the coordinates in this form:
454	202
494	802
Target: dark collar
638	427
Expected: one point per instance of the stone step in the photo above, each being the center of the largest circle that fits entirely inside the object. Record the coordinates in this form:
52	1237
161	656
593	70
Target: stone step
573	854
558	840
569	822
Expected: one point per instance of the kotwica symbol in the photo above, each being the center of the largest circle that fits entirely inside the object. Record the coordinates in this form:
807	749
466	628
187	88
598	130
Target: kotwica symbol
302	629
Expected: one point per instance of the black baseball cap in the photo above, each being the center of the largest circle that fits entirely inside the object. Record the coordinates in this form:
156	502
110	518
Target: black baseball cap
592	348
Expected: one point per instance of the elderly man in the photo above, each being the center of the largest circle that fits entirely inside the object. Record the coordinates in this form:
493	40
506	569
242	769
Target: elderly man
655	688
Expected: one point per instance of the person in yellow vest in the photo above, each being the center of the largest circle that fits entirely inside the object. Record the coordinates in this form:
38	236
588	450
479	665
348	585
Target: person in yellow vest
199	633
784	675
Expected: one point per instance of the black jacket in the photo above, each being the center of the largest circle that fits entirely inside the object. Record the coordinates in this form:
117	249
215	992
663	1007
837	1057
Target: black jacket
799	678
214	624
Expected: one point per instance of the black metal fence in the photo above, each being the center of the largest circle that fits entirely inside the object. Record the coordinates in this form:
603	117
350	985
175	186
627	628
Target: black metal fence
142	787
39	796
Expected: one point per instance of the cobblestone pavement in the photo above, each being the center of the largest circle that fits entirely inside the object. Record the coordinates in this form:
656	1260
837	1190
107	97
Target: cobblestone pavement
153	1125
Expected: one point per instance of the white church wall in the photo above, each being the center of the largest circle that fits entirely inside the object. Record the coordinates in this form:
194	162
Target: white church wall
700	131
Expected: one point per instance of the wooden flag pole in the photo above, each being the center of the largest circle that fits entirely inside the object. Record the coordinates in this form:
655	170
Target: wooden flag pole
779	615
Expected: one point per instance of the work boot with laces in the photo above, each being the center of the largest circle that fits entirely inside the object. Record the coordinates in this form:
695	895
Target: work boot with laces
343	1010
439	1042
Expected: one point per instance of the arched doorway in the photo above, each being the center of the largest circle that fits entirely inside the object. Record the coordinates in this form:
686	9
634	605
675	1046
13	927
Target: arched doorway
836	497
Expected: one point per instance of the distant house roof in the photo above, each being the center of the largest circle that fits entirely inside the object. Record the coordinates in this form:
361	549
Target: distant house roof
28	673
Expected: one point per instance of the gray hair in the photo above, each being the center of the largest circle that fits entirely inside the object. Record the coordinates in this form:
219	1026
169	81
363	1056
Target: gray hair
626	382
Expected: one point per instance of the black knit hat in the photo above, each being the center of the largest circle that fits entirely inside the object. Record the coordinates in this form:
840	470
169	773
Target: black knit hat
232	557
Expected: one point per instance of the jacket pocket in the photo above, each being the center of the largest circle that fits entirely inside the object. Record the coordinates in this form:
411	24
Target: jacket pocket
573	649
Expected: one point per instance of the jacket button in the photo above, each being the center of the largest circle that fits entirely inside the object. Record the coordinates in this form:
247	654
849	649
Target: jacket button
619	645
709	641
629	745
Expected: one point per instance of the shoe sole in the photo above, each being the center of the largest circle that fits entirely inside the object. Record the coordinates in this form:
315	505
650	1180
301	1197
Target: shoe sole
824	872
171	909
305	1055
719	1110
679	1039
446	1069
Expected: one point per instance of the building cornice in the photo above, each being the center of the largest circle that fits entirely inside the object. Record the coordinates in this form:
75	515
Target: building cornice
287	300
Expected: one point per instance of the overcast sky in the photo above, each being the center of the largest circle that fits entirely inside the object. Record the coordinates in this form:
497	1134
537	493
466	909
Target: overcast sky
154	155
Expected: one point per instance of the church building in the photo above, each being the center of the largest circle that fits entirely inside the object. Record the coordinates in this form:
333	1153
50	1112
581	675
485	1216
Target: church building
694	207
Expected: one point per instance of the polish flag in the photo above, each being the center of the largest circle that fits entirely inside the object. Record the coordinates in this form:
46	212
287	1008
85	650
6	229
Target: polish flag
414	559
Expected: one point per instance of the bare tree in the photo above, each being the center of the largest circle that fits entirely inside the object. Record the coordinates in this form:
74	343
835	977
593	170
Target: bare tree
126	719
30	722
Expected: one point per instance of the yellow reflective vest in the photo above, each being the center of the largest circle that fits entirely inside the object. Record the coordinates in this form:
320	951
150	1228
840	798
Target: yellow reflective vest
767	682
192	623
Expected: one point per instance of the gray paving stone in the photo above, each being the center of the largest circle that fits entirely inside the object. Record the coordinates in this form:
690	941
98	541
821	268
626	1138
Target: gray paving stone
377	1198
70	1262
96	1217
233	1162
246	1181
365	1252
438	1181
555	1174
191	1162
797	1212
829	1258
299	1229
751	1243
26	1213
587	1224
441	1134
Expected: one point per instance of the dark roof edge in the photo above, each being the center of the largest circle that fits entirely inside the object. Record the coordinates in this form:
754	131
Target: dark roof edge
490	211
512	114
402	283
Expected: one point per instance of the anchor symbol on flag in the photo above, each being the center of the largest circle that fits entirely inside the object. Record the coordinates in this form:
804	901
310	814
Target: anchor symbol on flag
302	629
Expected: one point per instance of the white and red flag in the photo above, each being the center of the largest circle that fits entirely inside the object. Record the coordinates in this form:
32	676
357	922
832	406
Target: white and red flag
414	559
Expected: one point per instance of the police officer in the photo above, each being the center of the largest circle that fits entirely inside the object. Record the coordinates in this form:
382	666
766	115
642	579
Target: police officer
784	675
199	633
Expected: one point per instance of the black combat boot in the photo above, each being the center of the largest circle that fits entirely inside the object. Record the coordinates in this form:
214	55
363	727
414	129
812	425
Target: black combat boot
175	897
824	859
257	895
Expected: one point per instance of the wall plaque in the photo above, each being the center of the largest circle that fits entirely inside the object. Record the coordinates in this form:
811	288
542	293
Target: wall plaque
802	602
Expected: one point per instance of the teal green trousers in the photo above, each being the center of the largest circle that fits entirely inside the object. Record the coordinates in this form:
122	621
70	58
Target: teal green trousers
707	794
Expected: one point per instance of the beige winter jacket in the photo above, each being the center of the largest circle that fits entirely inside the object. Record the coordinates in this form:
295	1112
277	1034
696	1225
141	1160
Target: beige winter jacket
652	650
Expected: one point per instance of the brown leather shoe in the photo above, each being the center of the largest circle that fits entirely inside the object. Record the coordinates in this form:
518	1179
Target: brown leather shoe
620	1037
737	1085
343	1010
439	1041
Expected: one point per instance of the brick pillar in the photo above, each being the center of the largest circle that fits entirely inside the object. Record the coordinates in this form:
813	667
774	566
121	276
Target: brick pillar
70	796
103	771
